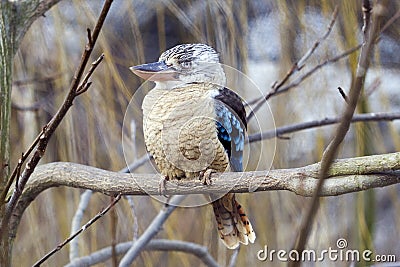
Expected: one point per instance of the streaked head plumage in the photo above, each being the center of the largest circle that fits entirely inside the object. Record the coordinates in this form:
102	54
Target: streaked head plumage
182	64
184	54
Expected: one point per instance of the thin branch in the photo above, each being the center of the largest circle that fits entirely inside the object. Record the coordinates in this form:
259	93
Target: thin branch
18	167
300	79
376	83
297	66
233	260
391	20
300	64
52	125
260	101
76	223
84	86
151	231
135	217
156	244
113	229
83	228
366	9
341	131
317	67
383	116
137	163
343	94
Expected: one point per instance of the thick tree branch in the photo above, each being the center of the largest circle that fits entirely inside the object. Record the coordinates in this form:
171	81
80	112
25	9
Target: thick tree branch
30	11
84	202
345	176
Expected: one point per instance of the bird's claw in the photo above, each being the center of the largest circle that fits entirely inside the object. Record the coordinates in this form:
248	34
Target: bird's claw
205	176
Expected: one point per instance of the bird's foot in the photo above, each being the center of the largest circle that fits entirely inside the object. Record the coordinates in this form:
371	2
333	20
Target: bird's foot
162	186
205	176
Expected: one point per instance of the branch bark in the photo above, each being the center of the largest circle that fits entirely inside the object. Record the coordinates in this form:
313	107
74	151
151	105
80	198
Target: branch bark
345	176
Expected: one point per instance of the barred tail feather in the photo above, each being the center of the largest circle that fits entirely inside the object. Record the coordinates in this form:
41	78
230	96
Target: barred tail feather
234	226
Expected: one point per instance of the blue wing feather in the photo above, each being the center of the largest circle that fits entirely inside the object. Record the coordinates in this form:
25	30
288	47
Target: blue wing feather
230	126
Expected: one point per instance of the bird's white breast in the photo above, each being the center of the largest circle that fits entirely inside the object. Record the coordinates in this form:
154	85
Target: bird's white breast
180	131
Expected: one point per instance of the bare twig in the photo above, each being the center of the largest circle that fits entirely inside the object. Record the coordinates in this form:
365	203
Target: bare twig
373	86
114	222
17	168
137	163
76	223
298	65
51	126
83	228
233	260
260	101
391	21
151	231
343	94
299	80
135	217
331	150
85	84
83	87
156	244
317	67
366	9
324	122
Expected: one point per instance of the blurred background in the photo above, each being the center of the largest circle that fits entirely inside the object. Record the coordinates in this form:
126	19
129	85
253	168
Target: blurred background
261	38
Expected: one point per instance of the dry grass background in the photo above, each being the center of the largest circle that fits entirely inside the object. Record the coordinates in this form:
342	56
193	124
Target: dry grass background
136	32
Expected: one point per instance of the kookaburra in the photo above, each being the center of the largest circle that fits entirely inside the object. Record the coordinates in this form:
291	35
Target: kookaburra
193	124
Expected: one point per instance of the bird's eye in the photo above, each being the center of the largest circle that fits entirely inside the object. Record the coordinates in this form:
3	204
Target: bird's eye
186	64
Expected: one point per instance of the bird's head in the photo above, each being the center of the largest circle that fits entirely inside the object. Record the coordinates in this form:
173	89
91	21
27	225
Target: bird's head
183	64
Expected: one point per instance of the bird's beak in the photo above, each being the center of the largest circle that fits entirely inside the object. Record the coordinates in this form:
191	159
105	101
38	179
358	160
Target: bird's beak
156	71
